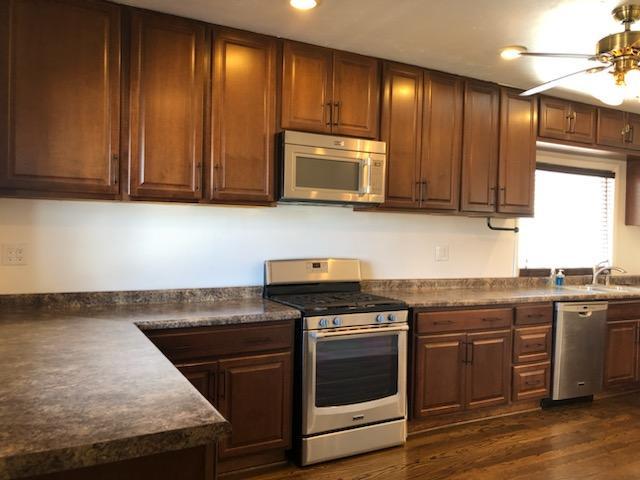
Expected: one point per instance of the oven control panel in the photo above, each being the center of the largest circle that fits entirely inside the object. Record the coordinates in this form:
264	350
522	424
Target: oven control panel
355	320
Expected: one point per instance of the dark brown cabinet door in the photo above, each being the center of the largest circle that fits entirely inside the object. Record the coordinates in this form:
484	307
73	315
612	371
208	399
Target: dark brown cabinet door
356	95
439	374
168	76
582	124
203	376
306	88
244	117
632	200
254	394
555	116
401	128
611	128
621	356
441	142
633	134
488	368
517	157
59	96
480	147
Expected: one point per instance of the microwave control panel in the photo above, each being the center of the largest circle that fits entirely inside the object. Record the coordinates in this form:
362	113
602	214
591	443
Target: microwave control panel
377	177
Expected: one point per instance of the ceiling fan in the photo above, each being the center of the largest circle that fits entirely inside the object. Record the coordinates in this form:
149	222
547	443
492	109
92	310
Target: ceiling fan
619	54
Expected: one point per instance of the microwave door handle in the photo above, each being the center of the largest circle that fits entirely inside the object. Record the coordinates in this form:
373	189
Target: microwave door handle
365	179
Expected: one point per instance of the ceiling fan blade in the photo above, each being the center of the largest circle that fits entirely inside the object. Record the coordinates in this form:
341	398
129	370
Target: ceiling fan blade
559	55
556	81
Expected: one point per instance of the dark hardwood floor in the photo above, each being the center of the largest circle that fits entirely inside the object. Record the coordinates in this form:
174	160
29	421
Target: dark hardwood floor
586	441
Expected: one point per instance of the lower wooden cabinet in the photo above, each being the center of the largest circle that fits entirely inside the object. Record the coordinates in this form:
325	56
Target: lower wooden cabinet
484	357
459	371
621	358
531	381
488	368
248	378
255	396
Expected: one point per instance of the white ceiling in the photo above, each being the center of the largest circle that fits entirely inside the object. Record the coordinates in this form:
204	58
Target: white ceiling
457	36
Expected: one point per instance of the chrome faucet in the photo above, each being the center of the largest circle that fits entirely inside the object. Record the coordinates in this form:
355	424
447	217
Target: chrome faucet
601	269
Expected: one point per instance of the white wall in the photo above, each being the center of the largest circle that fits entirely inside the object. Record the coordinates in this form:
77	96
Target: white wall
93	246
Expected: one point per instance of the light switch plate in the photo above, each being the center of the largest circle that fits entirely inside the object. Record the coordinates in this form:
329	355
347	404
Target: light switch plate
442	253
14	254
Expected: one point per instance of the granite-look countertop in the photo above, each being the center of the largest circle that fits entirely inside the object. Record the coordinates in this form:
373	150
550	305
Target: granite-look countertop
84	386
464	297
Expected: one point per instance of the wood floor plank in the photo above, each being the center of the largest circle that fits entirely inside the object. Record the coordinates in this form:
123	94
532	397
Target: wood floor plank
576	442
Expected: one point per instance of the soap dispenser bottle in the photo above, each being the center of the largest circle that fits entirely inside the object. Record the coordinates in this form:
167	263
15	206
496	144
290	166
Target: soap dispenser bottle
560	278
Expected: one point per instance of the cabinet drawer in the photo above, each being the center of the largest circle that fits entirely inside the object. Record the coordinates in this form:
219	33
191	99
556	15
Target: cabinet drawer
179	344
623	311
532	344
533	314
458	320
531	381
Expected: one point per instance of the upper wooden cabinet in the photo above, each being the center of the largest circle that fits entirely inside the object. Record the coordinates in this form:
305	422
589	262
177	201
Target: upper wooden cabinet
565	120
166	103
481	131
244	117
517	157
59	96
328	91
441	142
618	129
401	129
422	125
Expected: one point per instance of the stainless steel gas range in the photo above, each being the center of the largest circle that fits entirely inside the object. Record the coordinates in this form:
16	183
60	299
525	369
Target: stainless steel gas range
352	358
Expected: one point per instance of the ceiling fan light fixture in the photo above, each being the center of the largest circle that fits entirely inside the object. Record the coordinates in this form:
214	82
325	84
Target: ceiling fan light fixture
512	52
303	4
632	80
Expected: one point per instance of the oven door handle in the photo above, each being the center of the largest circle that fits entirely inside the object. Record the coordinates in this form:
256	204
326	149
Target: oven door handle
365	179
360	331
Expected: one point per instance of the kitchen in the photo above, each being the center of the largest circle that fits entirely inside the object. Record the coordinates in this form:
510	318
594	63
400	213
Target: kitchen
200	205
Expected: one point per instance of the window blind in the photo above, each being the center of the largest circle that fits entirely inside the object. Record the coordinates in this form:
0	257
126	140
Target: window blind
573	220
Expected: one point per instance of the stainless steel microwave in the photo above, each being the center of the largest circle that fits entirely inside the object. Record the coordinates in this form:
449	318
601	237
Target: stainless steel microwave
323	168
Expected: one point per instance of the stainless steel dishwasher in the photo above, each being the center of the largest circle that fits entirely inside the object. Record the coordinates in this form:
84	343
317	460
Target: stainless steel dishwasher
579	344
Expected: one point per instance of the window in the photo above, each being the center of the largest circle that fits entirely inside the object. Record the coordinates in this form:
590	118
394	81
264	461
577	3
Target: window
573	219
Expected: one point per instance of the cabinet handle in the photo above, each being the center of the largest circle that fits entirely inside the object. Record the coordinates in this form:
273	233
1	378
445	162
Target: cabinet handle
535	315
198	175
330	110
501	195
493	196
114	166
532	384
443	322
536	345
337	106
572	123
470	357
630	136
418	192
491	319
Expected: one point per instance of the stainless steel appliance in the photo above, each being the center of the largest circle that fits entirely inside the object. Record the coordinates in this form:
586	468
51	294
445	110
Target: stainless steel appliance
323	168
579	338
352	358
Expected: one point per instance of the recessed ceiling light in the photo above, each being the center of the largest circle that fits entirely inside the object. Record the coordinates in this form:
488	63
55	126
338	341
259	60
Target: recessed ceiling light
303	4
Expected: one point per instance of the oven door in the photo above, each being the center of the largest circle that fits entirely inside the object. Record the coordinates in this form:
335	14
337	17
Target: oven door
332	175
353	377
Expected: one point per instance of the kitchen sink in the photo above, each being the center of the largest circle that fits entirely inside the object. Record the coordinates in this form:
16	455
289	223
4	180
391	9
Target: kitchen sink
603	288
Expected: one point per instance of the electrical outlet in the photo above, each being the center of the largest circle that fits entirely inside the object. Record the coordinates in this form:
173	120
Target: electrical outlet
14	254
442	253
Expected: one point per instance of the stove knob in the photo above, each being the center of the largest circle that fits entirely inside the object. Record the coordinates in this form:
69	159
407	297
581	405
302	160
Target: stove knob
380	318
392	317
323	323
337	321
